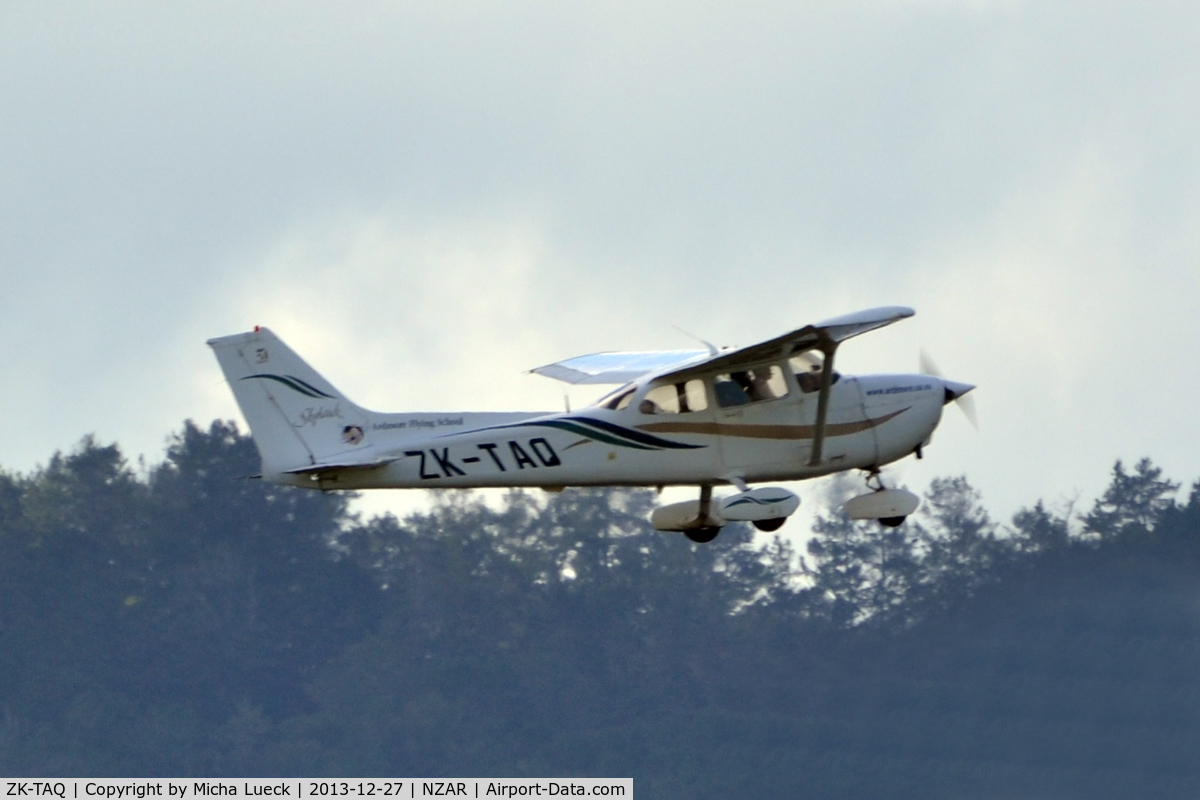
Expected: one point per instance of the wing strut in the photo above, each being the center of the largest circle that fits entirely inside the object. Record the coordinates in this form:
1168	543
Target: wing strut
828	347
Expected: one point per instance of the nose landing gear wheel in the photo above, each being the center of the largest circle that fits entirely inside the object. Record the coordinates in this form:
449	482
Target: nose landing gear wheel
702	535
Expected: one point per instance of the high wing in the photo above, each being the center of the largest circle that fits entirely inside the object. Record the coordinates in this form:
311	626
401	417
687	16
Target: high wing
624	367
822	336
618	367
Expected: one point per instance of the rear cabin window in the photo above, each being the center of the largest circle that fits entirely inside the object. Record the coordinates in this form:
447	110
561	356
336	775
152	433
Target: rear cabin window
675	398
749	386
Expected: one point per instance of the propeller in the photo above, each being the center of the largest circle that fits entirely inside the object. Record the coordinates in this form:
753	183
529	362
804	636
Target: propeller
955	392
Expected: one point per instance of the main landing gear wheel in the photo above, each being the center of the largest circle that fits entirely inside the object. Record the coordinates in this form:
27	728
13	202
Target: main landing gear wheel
702	535
768	525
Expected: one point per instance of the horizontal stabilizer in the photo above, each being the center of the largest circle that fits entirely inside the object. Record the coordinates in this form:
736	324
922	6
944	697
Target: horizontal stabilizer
359	465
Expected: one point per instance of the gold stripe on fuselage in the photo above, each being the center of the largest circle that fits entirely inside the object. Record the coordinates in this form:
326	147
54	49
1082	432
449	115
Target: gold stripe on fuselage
767	431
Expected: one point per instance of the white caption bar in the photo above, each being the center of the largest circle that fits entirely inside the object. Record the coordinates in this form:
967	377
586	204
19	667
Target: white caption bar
192	789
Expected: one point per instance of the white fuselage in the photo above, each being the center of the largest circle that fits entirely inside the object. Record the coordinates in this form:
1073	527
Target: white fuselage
872	420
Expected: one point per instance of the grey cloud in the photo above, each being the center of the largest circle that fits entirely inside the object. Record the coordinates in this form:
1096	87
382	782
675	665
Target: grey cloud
665	163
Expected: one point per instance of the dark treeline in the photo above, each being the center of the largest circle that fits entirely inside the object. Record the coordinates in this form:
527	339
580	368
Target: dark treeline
190	622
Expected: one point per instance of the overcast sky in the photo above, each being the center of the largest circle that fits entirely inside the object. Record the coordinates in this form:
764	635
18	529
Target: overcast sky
427	199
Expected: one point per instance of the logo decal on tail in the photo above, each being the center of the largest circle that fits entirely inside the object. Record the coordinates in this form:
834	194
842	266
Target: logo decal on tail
293	383
311	415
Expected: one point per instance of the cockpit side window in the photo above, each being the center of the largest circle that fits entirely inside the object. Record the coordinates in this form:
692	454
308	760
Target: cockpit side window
749	386
660	400
729	393
675	398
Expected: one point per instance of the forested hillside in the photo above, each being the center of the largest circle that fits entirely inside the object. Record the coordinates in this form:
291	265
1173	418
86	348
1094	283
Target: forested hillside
185	620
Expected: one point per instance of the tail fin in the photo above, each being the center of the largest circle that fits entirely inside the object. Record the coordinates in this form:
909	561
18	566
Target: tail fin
298	420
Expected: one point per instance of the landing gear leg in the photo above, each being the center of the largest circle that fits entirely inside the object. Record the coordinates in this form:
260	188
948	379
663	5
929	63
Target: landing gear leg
705	534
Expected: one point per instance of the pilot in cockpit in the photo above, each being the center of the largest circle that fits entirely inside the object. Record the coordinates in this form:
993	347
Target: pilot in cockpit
810	381
808	373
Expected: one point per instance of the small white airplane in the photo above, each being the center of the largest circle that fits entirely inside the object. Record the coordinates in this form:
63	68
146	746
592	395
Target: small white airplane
774	411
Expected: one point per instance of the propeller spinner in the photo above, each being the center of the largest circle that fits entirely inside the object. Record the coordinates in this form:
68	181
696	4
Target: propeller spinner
955	392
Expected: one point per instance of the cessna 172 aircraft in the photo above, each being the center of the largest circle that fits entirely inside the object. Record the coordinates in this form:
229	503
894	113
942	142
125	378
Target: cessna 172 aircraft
773	411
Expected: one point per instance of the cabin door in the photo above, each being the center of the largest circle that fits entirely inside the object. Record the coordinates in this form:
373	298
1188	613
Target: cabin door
761	420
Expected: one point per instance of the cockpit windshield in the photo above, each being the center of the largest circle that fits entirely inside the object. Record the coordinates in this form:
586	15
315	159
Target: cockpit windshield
617	399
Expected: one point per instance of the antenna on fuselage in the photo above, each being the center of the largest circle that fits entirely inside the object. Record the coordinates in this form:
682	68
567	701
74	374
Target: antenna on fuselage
712	348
